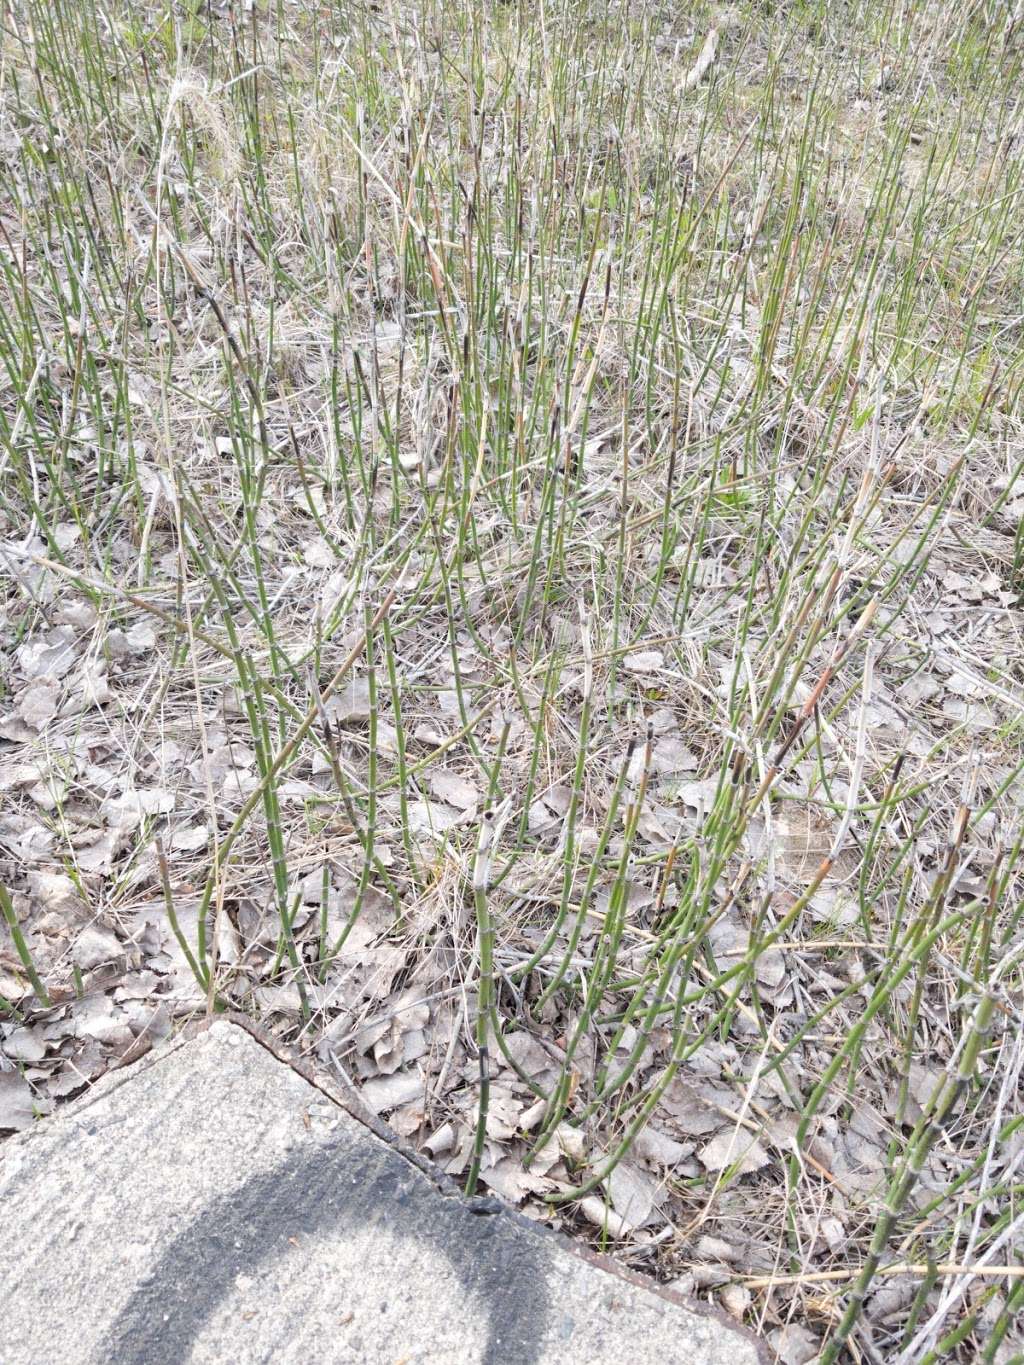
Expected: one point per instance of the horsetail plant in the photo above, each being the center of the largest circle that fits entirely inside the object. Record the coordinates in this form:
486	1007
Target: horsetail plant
492	825
934	1118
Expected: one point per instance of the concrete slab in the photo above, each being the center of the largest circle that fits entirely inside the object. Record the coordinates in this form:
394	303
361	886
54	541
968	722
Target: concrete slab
210	1204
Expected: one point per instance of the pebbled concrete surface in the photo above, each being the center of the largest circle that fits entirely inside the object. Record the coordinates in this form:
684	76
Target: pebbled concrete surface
209	1204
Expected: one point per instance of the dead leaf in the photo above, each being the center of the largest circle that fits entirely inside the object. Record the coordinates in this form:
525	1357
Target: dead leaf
432	818
318	554
15	774
37	705
351	704
127	811
634	1194
141	637
688	1111
644	661
24	1045
97	854
736	1300
802	837
566	1141
191	839
388	1092
94	947
97	1016
502	1114
715	1249
596	1211
408	1119
18	1104
528	1053
91	689
671	757
658	1149
924	1081
733	1149
456	790
48	656
77	612
509	1178
55	891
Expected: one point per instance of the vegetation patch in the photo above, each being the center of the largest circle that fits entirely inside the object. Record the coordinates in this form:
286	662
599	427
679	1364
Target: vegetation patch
512	577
